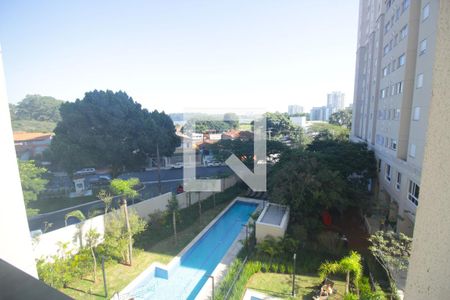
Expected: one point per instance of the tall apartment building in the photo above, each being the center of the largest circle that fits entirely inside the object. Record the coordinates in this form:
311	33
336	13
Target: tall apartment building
321	113
395	56
295	109
335	101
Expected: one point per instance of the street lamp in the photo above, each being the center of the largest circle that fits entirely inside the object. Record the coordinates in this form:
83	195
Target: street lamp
212	282
246	236
293	275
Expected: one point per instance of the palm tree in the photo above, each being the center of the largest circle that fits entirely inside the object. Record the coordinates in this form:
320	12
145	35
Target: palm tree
269	247
125	189
173	207
349	265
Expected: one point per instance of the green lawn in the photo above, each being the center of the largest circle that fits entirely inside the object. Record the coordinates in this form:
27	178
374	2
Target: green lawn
159	246
53	204
245	126
280	285
33	126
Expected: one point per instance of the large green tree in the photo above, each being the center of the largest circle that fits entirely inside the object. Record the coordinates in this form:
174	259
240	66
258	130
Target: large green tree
32	183
39	108
243	149
110	129
342	118
278	124
307	185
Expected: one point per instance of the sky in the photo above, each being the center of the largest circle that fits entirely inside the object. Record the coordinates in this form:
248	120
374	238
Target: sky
181	54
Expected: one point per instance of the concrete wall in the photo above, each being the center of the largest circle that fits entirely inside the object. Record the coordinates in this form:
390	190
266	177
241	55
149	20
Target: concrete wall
15	247
264	230
150	206
47	245
429	268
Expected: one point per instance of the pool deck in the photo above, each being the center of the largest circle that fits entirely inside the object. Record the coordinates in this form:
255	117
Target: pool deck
218	273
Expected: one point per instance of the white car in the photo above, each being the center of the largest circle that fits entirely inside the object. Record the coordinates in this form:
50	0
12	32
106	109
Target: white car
85	171
177	165
213	164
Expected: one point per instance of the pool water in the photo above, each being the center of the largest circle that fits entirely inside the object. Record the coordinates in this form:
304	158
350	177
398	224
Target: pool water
186	278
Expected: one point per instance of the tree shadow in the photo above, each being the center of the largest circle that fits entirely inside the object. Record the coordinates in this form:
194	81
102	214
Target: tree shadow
84	292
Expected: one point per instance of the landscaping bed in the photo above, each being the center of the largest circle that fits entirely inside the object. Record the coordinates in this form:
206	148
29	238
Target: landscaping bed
156	243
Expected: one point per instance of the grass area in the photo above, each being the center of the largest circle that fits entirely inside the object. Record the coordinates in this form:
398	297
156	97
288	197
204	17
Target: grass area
33	126
280	285
157	244
51	204
245	126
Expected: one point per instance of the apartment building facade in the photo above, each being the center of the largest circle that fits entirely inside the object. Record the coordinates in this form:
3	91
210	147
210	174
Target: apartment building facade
395	56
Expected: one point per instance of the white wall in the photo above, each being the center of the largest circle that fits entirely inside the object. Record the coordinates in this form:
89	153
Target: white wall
47	244
15	246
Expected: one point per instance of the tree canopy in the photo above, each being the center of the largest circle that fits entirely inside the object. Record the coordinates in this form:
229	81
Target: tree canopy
278	124
108	128
327	175
243	149
37	107
212	123
325	131
306	184
32	183
342	118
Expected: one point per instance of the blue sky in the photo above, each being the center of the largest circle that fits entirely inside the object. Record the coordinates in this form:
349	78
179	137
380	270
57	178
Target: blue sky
173	55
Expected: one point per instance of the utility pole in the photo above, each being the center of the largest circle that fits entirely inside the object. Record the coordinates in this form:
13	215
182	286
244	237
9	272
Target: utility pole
130	245
159	168
293	275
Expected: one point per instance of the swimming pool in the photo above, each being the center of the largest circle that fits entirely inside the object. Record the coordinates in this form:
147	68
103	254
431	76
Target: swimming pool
185	278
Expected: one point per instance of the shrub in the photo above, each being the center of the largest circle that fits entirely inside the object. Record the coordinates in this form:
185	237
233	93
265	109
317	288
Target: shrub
351	297
366	293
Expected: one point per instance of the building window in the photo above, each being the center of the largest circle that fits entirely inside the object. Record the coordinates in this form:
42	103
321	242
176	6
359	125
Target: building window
383	93
386	49
397	14
397	114
399	87
416	115
388	172
393	144
413	192
399	181
403	32
423	46
419	82
405	5
412	150
379	164
401	60
426	12
386	27
385	71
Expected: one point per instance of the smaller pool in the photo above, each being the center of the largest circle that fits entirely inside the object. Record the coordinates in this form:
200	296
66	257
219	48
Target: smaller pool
273	221
274	214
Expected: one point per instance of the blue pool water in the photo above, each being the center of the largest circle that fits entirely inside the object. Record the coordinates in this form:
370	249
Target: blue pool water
185	279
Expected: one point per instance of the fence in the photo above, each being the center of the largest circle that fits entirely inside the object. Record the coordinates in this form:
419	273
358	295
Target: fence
48	244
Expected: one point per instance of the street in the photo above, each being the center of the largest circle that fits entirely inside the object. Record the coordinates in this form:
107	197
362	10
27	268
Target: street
170	180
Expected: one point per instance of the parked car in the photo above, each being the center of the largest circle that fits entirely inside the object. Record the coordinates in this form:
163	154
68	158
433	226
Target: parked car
213	164
177	165
85	171
101	180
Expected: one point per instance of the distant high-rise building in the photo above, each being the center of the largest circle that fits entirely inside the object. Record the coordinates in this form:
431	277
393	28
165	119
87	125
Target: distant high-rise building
295	109
322	113
335	101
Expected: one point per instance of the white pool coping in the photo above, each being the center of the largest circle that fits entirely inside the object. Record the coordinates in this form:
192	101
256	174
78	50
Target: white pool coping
221	269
